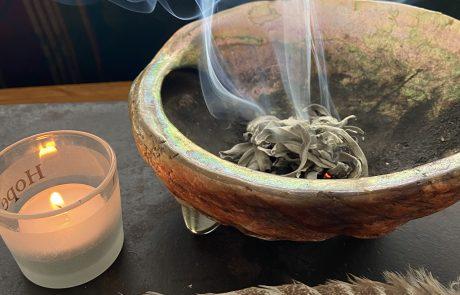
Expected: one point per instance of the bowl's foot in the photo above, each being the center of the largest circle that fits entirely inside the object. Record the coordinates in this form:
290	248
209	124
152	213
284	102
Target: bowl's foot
198	223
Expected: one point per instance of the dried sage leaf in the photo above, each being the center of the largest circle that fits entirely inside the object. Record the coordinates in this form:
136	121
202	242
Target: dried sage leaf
321	147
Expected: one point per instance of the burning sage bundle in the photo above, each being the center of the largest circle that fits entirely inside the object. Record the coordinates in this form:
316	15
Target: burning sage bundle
320	147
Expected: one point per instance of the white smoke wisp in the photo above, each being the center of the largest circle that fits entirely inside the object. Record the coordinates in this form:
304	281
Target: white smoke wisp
186	10
183	9
320	61
142	6
300	49
294	61
295	58
222	96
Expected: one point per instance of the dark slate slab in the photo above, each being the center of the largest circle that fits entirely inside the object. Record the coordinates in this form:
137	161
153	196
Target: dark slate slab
160	255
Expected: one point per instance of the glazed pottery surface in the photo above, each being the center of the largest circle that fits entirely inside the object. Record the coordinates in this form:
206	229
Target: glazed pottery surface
395	66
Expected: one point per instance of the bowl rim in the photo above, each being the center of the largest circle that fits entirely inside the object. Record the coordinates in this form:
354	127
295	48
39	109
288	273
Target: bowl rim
147	113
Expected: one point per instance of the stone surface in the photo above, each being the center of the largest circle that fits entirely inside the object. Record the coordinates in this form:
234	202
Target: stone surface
159	254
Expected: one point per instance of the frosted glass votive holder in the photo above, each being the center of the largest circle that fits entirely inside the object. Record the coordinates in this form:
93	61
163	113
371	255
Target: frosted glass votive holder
60	207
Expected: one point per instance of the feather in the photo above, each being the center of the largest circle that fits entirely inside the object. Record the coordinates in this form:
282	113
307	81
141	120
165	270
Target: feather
415	282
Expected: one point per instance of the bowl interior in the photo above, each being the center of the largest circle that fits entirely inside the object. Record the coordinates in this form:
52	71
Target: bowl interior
391	67
413	141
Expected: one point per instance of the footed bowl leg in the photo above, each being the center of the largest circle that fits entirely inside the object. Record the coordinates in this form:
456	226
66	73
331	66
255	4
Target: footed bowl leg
196	222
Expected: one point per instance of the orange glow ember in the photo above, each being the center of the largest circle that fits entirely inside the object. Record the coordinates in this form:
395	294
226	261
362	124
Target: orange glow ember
56	200
327	176
48	148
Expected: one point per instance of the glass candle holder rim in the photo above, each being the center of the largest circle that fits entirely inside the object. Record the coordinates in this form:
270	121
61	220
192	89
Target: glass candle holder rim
81	201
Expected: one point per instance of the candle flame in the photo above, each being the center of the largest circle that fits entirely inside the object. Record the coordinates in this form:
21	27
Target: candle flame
56	200
48	148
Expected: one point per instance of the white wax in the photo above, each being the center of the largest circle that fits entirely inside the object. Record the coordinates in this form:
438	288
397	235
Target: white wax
70	193
70	248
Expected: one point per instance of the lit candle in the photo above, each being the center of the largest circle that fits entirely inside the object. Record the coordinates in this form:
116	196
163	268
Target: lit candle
71	244
57	197
61	230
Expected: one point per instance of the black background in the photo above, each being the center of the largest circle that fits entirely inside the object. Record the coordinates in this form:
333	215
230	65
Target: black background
95	42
